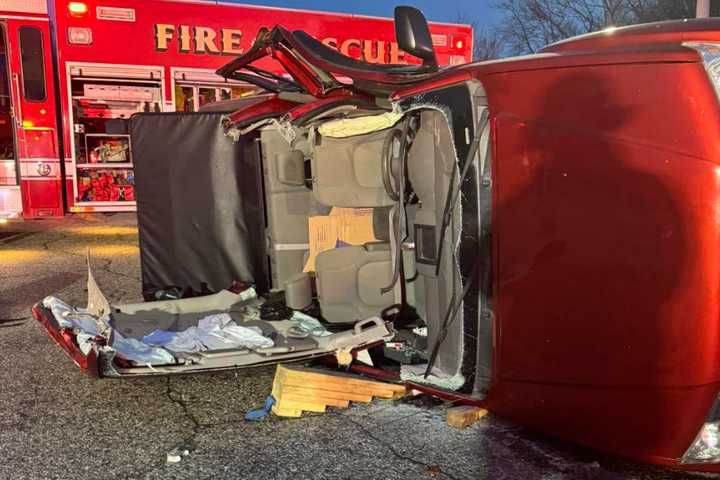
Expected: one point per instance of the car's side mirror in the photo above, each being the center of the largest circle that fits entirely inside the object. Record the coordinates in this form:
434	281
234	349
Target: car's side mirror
413	34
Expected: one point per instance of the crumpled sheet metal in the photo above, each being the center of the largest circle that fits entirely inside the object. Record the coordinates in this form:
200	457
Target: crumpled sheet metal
97	305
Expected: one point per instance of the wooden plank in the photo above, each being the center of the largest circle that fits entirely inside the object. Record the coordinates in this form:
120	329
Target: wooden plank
288	398
464	416
333	387
302	405
332	378
286	411
312	392
339	389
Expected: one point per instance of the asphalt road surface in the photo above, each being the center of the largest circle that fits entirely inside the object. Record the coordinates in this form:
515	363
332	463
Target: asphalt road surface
56	423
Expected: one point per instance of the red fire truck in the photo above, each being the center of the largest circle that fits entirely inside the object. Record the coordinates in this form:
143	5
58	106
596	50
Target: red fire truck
73	72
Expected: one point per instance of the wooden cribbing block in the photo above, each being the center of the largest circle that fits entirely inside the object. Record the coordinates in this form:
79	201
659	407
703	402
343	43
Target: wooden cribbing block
464	416
298	389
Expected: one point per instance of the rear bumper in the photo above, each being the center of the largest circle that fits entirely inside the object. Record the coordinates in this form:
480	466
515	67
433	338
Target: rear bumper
65	339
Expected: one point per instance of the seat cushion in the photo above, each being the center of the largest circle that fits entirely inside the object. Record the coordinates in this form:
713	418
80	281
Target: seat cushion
347	172
349	280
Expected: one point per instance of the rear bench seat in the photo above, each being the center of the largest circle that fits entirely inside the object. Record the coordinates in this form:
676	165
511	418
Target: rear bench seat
347	173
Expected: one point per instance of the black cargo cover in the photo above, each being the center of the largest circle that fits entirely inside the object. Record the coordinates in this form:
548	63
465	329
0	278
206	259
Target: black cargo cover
199	201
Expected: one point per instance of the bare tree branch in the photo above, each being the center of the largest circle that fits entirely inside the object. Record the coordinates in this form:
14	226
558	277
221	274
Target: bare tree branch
487	43
528	25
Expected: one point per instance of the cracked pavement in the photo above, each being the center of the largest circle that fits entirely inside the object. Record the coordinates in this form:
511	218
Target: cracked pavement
60	424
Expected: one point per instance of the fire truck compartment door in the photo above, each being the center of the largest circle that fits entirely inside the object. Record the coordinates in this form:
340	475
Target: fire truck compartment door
116	71
199	203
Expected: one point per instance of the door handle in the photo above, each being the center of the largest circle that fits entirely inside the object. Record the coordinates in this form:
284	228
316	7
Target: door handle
17	108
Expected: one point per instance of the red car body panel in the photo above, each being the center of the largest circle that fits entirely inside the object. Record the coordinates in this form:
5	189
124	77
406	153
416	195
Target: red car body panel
65	339
309	109
261	107
606	244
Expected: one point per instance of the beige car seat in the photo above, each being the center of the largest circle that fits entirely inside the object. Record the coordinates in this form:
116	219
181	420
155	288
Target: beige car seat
349	280
347	173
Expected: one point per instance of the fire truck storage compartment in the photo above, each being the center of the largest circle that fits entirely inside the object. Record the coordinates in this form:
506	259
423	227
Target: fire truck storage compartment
194	88
101	109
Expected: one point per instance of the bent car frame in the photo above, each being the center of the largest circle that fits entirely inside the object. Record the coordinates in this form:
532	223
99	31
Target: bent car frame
551	219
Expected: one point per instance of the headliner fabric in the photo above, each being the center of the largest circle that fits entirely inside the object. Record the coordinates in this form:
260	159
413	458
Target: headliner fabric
199	201
349	127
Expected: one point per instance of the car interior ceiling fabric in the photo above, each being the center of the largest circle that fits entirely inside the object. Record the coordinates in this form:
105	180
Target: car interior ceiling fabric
199	203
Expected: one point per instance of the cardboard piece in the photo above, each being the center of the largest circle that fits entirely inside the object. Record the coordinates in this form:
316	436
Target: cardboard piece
352	226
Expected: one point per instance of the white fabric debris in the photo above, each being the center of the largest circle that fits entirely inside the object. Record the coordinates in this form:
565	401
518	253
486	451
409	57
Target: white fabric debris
235	336
69	317
308	324
186	341
420	331
85	328
84	341
212	322
416	373
214	332
140	352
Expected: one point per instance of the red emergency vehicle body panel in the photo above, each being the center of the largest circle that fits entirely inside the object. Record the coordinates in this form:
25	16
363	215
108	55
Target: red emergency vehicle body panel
34	123
206	35
606	241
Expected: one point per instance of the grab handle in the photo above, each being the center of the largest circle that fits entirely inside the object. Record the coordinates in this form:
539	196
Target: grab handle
365	324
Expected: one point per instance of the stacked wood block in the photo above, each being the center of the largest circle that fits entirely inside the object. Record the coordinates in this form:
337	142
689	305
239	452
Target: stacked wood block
298	389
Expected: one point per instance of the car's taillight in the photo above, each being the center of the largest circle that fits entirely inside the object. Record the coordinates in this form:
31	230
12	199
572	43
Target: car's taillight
710	53
706	446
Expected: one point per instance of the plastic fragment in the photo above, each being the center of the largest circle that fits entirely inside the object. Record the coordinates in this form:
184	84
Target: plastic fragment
257	415
175	455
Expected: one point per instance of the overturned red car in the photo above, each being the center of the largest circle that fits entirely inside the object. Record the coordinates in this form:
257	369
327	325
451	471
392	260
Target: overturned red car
551	220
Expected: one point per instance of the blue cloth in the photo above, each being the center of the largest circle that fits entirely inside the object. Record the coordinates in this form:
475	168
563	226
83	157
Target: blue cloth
257	415
159	337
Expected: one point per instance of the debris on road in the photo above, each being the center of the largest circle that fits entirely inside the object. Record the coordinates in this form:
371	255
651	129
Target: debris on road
433	471
260	414
176	455
463	416
297	390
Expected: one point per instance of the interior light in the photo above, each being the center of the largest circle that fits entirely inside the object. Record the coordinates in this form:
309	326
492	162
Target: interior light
3	221
77	9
